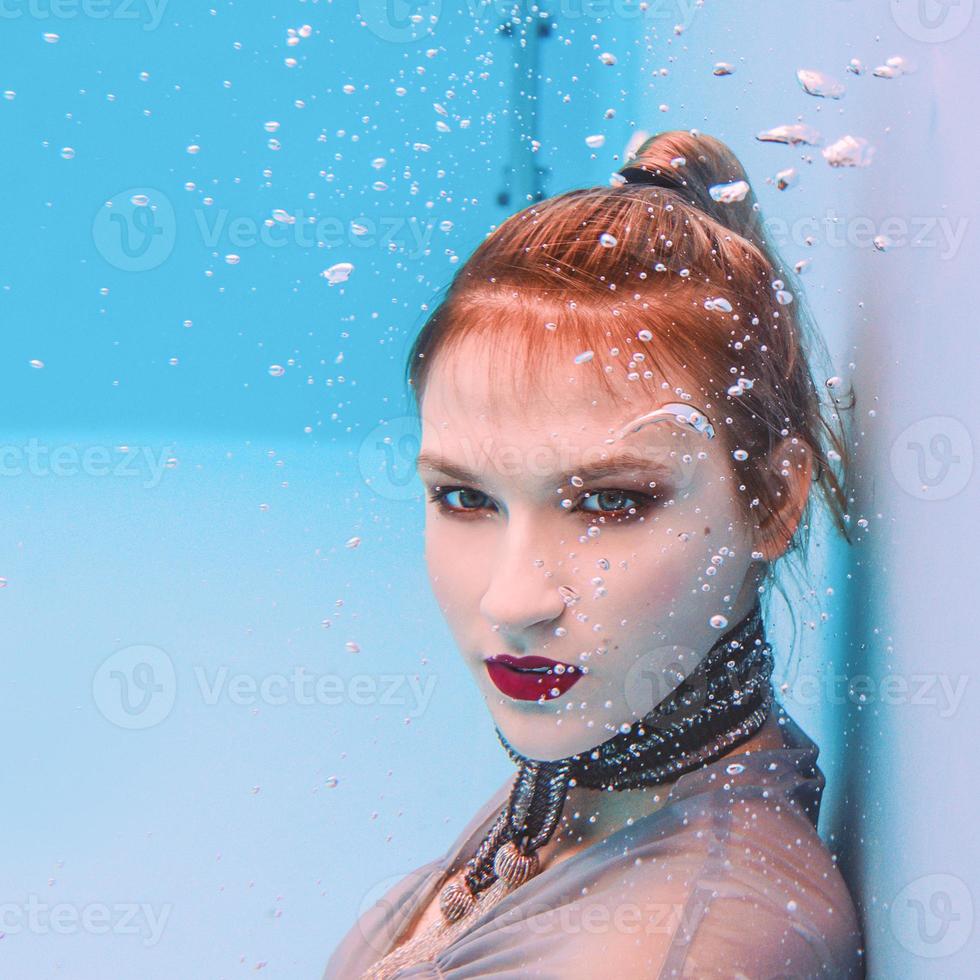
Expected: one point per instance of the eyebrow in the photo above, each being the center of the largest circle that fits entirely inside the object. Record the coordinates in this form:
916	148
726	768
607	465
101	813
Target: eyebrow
616	465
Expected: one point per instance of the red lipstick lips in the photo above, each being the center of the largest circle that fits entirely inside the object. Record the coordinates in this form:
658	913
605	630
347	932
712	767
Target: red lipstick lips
531	678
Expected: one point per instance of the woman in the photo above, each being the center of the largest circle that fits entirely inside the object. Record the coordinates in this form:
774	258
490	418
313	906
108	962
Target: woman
621	436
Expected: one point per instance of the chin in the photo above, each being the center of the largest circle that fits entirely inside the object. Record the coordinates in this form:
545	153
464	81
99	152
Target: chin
534	731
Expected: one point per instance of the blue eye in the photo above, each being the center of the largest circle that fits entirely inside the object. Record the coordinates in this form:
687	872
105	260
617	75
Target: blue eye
467	500
615	504
615	501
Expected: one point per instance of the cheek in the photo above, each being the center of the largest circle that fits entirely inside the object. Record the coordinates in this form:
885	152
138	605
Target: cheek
455	582
712	529
673	570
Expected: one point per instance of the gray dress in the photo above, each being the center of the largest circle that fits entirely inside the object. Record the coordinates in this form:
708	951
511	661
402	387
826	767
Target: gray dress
729	878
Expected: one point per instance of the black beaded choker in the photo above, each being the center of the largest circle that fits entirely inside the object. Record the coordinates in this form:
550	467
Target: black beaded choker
724	701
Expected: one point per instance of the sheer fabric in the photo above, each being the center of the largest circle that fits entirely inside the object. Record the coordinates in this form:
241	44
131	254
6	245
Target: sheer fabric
729	878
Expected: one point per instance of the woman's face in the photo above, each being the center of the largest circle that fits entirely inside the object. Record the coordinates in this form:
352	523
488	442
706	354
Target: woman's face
658	555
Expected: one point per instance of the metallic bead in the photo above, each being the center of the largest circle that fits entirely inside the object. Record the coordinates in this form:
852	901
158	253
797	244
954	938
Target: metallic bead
514	867
455	900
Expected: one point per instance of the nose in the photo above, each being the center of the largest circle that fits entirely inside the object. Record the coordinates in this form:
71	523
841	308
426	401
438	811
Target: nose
522	592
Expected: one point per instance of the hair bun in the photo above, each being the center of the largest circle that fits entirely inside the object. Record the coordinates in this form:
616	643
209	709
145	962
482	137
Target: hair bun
702	166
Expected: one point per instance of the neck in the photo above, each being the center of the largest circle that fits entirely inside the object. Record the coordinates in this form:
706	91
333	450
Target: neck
720	705
590	815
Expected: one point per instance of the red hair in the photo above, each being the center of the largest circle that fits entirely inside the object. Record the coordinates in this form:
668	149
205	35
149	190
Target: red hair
626	271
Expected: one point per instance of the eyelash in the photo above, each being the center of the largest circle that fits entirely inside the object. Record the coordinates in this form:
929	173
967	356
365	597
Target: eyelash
643	502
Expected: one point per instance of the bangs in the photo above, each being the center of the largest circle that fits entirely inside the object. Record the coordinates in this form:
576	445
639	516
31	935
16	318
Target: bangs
622	349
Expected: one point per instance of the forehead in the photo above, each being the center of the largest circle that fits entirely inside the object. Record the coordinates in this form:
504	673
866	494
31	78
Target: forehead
470	386
555	416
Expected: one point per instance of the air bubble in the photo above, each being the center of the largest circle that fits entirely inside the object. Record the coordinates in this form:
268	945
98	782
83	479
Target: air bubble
849	151
340	272
819	83
729	193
